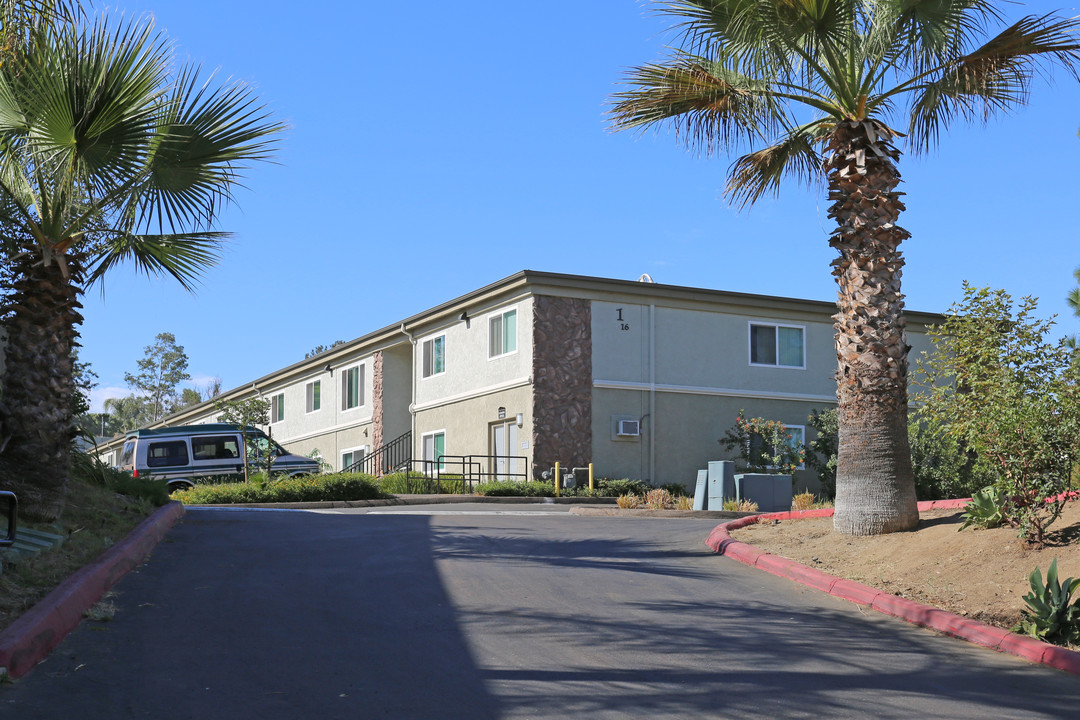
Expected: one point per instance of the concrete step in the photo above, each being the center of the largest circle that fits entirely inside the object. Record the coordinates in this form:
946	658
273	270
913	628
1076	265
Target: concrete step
51	540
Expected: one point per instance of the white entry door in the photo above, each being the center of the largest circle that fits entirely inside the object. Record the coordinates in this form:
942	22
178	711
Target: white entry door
504	443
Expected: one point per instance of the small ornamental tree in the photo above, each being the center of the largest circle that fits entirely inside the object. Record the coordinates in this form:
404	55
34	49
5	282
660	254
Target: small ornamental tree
763	445
246	414
996	384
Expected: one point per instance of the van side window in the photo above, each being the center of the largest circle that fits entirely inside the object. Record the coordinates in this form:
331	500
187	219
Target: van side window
215	447
167	454
127	457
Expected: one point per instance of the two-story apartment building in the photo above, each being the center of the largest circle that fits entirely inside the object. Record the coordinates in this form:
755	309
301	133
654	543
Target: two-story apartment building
639	378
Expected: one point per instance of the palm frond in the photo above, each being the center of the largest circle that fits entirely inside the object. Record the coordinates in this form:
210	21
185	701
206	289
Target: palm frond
995	77
711	107
183	256
206	137
920	35
754	175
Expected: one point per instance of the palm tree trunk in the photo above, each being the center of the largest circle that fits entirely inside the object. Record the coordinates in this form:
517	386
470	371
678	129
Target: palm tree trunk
875	490
36	429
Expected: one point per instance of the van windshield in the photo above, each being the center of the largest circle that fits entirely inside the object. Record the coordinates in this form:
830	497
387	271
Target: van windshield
258	447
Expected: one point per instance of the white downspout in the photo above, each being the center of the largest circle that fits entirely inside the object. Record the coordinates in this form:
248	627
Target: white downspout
652	394
412	385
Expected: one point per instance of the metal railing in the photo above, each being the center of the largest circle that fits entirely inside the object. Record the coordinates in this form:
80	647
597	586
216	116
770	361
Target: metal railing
12	502
394	456
470	470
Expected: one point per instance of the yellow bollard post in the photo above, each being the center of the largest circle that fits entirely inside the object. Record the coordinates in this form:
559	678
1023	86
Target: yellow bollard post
558	481
592	487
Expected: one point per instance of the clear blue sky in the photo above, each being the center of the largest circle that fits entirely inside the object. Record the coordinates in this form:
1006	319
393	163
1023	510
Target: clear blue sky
436	147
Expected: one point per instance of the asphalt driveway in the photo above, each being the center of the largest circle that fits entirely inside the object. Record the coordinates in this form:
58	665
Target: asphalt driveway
525	612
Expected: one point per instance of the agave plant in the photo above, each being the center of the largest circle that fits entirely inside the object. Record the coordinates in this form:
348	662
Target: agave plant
985	509
1050	615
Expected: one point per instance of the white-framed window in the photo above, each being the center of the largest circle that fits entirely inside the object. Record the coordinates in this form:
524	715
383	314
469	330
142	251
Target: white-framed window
797	442
776	345
432	449
277	408
313	393
502	334
352	387
352	456
434	356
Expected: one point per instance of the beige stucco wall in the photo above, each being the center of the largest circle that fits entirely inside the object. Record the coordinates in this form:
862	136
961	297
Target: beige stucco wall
467	423
397	390
468	369
685	372
684	432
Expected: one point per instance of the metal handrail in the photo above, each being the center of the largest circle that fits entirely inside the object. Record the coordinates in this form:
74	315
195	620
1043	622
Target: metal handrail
388	457
12	515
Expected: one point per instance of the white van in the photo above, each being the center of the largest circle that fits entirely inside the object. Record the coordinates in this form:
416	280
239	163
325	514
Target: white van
185	453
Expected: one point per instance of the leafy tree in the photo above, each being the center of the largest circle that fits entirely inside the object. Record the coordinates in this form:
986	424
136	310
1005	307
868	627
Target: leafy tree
819	90
109	152
319	349
996	384
248	413
942	466
822	448
125	414
162	368
188	397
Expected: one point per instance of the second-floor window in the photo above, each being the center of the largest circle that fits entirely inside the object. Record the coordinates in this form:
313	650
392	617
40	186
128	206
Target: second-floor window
277	408
352	388
777	345
502	334
434	356
314	396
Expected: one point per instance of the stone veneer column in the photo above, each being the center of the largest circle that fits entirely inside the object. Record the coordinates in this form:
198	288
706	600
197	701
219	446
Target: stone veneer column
377	400
562	382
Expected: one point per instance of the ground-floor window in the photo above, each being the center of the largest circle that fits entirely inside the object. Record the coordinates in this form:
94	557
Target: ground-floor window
352	456
433	449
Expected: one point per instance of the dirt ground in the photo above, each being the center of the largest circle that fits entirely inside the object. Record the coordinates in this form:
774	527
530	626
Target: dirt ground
978	573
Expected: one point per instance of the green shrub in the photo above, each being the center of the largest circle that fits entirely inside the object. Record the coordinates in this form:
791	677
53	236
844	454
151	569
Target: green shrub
417	484
1049	615
89	469
610	487
310	488
510	488
999	383
155	492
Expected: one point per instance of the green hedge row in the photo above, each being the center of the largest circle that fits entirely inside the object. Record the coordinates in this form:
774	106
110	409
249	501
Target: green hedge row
311	488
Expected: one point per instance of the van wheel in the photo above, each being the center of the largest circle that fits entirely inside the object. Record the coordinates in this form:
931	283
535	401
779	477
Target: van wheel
179	485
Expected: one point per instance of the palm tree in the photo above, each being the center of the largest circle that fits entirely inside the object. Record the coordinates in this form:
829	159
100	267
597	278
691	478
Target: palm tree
107	155
820	88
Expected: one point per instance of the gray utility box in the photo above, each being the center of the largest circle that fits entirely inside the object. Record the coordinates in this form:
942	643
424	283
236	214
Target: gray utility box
772	493
721	483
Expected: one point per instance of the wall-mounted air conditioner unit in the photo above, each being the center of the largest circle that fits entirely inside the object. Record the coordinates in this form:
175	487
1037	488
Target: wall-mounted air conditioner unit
629	428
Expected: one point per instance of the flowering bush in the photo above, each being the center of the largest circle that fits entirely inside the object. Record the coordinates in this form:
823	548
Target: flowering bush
764	445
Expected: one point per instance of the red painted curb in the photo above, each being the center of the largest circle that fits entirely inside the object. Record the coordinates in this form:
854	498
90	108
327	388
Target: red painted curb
854	592
1036	651
29	639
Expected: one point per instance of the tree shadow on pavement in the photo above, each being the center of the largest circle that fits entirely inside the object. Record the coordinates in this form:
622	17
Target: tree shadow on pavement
265	615
655	631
